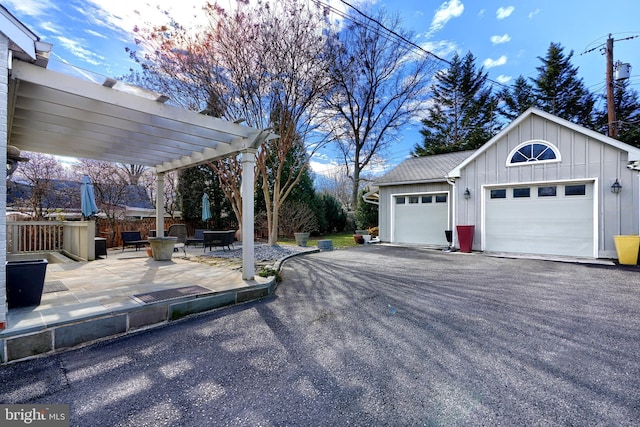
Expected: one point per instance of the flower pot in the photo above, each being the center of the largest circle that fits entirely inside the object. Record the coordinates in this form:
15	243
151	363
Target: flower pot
25	282
162	247
301	238
465	237
149	252
325	245
627	248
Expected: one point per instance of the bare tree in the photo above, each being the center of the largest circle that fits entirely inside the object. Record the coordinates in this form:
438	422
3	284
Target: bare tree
229	173
133	172
171	195
110	185
336	184
297	217
148	181
45	177
265	63
381	82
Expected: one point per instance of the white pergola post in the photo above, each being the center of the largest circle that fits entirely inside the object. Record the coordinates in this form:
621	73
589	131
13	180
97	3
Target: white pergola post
248	261
160	204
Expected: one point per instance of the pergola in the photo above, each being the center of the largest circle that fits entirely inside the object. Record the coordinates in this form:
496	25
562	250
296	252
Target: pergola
55	113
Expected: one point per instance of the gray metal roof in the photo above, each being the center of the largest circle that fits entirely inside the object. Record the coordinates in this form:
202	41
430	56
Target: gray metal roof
424	169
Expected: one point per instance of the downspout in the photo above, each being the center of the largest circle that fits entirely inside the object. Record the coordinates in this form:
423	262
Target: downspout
454	206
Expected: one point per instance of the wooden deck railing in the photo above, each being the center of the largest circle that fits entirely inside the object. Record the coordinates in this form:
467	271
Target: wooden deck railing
75	239
34	236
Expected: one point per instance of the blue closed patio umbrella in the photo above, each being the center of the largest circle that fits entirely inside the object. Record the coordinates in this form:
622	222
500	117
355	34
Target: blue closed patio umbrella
206	208
87	198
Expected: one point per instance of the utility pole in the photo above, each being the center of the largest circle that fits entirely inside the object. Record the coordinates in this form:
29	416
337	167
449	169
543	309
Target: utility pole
611	109
610	84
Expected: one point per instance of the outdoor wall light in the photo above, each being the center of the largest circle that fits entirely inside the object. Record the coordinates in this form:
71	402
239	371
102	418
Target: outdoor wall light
13	157
467	193
616	187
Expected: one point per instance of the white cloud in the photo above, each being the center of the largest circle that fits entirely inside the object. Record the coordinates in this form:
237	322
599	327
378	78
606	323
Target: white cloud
95	34
448	10
504	12
330	169
482	13
490	63
50	27
442	48
75	47
29	7
503	79
125	15
500	39
534	13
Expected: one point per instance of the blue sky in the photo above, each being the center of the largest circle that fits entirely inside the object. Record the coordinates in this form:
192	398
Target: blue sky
506	37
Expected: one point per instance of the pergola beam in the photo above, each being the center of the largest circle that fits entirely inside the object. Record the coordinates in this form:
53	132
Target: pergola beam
79	118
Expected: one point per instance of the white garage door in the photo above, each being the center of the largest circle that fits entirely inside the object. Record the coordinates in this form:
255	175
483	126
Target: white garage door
421	219
552	219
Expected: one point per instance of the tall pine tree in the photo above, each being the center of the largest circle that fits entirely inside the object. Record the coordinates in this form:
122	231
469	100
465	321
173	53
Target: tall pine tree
193	183
462	115
627	107
517	99
560	92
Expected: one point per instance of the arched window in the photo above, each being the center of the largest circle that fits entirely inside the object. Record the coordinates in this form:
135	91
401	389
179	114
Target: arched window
533	151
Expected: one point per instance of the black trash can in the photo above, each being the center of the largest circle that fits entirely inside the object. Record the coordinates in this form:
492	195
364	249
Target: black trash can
25	282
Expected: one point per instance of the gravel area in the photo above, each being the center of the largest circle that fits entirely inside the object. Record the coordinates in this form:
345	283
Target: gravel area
263	252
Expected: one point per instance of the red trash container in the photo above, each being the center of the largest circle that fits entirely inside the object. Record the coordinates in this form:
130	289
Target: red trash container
465	237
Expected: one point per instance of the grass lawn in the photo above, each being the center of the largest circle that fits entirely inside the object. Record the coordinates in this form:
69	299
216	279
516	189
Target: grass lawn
340	240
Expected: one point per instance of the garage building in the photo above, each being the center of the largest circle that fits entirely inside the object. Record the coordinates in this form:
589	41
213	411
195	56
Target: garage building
543	185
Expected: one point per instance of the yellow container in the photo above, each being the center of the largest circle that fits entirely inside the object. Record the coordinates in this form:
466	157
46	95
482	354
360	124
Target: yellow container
627	248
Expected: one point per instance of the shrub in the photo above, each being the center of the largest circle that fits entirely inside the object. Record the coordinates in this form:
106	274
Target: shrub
334	215
366	214
297	217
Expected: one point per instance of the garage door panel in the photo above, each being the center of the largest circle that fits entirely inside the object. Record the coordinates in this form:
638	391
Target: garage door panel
421	223
558	225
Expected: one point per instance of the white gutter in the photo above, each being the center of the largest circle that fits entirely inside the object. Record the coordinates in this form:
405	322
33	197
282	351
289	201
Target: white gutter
454	204
373	202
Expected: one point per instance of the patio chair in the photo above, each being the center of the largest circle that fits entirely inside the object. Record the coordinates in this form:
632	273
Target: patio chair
198	237
179	231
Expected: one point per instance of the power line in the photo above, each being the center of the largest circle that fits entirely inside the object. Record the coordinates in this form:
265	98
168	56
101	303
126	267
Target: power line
398	37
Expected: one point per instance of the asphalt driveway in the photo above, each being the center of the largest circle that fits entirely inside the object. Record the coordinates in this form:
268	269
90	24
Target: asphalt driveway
373	335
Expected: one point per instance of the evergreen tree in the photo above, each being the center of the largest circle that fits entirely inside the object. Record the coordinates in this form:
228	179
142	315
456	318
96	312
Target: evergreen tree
463	110
334	217
366	214
193	183
300	192
627	106
560	92
517	99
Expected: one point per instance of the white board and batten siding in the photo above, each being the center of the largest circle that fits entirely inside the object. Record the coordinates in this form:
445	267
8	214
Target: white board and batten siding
573	224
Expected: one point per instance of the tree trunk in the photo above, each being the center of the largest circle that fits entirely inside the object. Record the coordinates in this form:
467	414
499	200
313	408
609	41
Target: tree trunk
273	230
356	187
